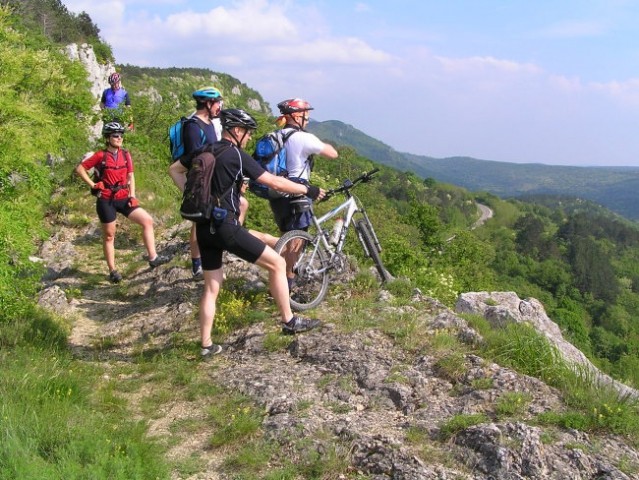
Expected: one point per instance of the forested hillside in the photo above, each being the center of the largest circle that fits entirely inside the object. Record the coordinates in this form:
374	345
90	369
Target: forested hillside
612	187
580	260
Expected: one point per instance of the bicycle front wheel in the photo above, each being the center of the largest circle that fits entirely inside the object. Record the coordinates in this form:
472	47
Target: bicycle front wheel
366	237
306	257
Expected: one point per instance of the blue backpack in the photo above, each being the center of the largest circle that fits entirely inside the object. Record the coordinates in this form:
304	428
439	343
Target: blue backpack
270	153
176	137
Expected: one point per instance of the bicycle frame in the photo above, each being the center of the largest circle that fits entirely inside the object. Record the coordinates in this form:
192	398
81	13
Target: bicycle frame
351	207
312	256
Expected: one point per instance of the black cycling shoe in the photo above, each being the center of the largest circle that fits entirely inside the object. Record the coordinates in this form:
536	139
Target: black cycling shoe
157	261
299	324
115	277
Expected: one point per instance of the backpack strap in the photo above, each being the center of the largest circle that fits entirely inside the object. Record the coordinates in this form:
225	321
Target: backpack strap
193	118
216	153
127	158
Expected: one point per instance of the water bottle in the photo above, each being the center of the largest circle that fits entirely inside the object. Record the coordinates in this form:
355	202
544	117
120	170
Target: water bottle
337	230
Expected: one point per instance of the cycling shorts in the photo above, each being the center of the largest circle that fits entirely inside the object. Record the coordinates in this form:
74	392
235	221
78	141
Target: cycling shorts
108	209
231	237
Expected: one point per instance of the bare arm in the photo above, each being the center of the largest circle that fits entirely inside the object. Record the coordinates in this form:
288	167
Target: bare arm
328	151
177	171
131	182
84	175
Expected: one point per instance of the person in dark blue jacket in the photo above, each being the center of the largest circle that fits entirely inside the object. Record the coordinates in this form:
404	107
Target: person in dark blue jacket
202	128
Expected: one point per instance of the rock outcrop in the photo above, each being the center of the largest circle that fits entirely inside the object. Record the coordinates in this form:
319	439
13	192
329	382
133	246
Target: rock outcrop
500	308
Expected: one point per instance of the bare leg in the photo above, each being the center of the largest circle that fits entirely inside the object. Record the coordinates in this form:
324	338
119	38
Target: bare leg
270	240
142	218
212	282
108	244
195	249
278	285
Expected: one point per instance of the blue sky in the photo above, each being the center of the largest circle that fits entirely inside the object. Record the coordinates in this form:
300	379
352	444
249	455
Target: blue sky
554	82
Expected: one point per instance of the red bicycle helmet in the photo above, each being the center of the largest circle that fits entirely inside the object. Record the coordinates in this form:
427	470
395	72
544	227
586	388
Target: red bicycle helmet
114	78
293	105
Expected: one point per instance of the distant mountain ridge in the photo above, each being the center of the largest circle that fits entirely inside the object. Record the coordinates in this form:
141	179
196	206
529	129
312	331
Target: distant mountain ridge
616	188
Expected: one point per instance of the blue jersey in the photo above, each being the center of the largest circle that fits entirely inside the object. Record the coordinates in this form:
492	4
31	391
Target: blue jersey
112	98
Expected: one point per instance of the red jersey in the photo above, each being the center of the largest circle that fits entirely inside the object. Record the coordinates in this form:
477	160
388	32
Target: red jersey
115	169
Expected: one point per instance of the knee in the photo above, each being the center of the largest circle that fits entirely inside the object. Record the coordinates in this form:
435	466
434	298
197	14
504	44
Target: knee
279	264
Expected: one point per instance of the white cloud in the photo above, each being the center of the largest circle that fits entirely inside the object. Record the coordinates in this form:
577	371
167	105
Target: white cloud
348	51
249	22
362	7
575	28
475	64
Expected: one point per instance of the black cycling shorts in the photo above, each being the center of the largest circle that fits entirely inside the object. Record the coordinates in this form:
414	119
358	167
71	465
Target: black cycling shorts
107	209
230	237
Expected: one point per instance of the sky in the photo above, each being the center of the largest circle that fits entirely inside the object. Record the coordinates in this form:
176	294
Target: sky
544	81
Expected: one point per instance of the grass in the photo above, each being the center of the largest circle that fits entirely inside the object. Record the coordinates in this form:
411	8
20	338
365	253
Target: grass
55	425
459	423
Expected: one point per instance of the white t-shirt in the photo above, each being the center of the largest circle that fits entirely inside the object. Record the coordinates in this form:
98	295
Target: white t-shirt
299	147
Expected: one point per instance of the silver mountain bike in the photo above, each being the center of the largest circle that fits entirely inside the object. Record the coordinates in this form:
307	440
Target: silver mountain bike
315	255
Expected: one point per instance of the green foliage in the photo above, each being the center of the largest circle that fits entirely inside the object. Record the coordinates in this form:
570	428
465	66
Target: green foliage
30	102
51	19
53	428
459	423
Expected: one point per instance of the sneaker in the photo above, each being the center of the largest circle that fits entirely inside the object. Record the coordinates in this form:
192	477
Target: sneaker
198	273
299	324
158	260
115	277
210	351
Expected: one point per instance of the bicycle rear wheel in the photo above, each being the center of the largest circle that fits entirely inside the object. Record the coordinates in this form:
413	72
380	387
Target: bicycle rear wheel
310	264
366	237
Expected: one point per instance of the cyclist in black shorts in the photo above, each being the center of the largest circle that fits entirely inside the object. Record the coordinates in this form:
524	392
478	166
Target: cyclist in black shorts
232	165
115	189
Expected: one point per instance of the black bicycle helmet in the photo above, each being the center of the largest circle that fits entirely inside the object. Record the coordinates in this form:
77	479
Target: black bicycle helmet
112	127
293	105
234	117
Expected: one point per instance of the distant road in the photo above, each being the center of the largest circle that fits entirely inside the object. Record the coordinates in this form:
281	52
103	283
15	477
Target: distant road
486	213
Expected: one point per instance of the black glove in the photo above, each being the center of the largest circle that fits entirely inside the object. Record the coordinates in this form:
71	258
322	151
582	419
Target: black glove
97	188
313	192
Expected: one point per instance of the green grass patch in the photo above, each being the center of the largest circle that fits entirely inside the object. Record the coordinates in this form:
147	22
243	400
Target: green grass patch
458	423
55	425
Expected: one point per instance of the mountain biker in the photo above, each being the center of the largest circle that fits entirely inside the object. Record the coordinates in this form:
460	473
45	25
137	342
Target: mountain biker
115	95
300	150
115	189
232	164
204	129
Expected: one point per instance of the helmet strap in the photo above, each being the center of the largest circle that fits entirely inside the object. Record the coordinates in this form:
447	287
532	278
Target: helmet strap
232	134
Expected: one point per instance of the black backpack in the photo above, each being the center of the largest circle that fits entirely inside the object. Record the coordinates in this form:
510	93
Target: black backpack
198	202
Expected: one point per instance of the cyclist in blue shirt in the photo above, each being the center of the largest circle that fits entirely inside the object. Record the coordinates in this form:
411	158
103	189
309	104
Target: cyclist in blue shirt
115	95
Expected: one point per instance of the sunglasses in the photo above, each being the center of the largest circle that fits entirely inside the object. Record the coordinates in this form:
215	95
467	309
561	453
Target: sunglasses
116	135
245	182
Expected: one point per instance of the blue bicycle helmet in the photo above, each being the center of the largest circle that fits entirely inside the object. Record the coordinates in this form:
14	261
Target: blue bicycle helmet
207	93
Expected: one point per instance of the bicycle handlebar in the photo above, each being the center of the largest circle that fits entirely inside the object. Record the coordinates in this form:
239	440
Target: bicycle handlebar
348	184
